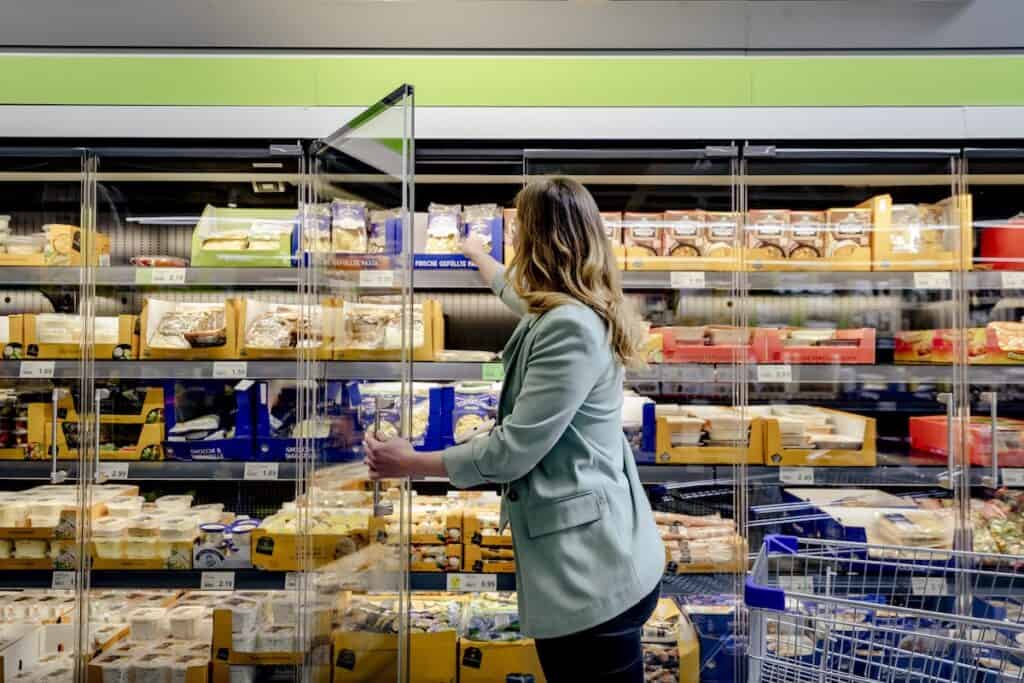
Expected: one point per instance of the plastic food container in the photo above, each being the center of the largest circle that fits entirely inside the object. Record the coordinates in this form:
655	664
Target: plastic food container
173	504
31	549
124	506
13	513
184	622
152	668
140	543
26	245
45	513
244	642
180	666
115	668
208	514
283	608
147	624
6	548
64	553
276	639
108	538
245	614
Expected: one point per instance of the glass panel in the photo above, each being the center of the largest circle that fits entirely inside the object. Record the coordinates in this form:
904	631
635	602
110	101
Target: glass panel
45	197
992	439
672	216
357	279
853	260
191	470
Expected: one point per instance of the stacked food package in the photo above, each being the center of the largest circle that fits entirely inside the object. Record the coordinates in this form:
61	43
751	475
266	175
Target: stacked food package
706	543
439	235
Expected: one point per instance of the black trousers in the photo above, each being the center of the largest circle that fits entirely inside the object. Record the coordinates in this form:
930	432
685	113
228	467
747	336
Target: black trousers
607	653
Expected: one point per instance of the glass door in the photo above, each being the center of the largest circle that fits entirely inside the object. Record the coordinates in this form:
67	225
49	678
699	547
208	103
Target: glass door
190	464
46	194
356	276
853	265
672	216
992	435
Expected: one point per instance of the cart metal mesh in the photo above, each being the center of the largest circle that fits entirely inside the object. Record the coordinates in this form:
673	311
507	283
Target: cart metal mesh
835	612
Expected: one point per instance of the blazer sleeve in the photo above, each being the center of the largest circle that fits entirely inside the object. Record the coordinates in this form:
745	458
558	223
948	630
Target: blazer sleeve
560	372
507	293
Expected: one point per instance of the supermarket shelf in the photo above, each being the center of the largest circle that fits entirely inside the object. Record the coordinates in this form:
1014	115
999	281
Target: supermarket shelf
810	281
391	370
245	579
165	470
672	584
438	581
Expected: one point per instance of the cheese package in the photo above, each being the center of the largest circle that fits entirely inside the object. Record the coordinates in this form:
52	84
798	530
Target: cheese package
348	226
270	330
59	335
443	229
244	238
684	235
642	234
188	330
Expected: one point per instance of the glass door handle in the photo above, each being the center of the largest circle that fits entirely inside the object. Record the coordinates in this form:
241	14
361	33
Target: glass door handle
951	473
98	476
380	508
56	476
993	409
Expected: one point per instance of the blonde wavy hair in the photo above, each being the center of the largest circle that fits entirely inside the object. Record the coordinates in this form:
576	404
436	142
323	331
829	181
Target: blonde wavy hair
562	254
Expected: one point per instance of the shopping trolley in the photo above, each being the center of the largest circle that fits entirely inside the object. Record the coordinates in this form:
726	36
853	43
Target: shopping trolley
827	611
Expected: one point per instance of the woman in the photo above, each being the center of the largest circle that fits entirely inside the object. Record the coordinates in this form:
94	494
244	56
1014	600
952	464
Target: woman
588	556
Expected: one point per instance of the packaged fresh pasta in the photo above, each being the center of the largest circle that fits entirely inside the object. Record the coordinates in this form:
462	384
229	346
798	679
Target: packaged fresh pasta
443	232
348	225
482	220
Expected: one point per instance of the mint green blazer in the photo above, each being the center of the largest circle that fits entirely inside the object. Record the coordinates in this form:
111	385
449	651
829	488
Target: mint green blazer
586	545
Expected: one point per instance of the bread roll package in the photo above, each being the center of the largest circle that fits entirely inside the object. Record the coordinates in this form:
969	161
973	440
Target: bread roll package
767	230
807	232
685	233
848	231
642	233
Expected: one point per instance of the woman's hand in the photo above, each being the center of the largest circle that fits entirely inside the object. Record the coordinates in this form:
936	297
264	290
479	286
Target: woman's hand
475	248
390	459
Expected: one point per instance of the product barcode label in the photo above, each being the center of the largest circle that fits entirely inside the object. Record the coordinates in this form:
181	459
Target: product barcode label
472	583
113	470
377	278
933	281
928	585
774	373
291	581
37	369
217	581
492	372
687	280
1013	476
1013	279
796	475
261	470
797	584
230	369
160	276
63	581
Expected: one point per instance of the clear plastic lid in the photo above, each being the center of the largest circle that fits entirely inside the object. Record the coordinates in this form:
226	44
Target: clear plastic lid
178	527
108	527
124	506
173	503
143	526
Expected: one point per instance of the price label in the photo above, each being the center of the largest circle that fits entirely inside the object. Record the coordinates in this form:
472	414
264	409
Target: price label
291	581
261	471
797	584
160	276
472	583
492	372
217	581
1013	279
230	369
1013	476
377	278
774	373
687	280
37	369
63	581
932	281
928	585
113	470
796	475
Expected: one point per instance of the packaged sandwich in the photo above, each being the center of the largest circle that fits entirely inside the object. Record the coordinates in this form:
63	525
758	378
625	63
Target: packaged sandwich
767	230
378	326
807	232
685	233
348	225
848	231
642	233
443	229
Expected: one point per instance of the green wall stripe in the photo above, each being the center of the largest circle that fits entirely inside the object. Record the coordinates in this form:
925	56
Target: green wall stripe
511	81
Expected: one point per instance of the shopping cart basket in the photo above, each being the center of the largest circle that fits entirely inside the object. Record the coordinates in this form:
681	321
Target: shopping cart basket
834	612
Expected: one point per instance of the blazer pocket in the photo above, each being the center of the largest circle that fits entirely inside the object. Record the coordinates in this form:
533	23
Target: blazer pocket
559	515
